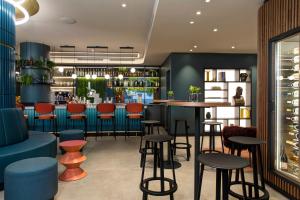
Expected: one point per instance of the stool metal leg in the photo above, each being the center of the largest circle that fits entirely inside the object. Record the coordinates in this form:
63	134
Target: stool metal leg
222	141
188	151
243	183
218	184
175	137
200	181
155	160
255	178
225	184
261	171
162	174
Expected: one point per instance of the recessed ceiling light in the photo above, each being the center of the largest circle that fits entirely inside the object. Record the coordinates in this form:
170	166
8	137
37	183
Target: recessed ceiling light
198	13
215	30
191	50
233	47
195	46
124	5
192	22
207	1
68	20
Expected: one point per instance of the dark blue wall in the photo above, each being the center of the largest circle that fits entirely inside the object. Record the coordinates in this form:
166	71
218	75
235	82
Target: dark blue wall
188	69
7	55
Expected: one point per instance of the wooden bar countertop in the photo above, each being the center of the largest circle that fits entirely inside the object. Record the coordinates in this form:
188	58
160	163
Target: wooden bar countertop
197	104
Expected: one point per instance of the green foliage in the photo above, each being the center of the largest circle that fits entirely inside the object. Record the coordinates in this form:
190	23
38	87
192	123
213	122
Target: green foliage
170	93
38	63
98	84
194	89
26	80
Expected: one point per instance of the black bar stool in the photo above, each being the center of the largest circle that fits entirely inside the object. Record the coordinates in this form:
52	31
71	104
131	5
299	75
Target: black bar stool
147	124
182	145
222	163
158	140
253	146
212	135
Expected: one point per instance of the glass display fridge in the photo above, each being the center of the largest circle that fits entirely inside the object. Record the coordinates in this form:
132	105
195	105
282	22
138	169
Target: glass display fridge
284	122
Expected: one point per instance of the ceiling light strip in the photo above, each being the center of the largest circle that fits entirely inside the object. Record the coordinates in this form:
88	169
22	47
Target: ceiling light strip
18	5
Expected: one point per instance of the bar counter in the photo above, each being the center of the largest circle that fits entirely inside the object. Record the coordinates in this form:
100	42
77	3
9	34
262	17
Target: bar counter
60	112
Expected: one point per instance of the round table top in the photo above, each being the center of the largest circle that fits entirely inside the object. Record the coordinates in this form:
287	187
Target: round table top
150	122
222	161
72	144
212	123
158	138
246	140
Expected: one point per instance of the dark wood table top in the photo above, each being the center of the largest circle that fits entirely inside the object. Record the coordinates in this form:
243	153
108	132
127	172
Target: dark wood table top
198	104
246	140
222	161
162	100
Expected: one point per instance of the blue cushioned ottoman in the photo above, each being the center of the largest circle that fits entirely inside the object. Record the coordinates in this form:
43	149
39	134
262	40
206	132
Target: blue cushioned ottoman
71	135
74	134
33	178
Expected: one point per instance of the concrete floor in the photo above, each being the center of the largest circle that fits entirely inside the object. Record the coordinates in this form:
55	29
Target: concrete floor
114	174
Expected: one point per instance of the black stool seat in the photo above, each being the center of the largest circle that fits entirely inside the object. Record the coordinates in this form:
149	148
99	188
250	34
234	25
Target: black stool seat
150	122
222	161
158	138
212	123
253	146
246	140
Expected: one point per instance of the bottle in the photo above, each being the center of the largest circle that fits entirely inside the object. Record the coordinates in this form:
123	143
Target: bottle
295	102
295	111
283	160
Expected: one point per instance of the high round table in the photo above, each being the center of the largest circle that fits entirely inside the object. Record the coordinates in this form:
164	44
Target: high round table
197	106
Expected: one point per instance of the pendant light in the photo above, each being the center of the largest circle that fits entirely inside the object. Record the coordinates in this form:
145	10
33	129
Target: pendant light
120	76
107	76
132	70
61	69
74	75
94	76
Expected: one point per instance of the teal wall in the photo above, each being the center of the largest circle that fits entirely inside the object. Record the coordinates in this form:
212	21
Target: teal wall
7	55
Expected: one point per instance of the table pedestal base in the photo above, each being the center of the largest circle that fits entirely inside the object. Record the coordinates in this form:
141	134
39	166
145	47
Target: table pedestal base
72	174
168	165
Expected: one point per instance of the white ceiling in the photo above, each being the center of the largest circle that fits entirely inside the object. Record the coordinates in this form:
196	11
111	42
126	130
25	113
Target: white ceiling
154	27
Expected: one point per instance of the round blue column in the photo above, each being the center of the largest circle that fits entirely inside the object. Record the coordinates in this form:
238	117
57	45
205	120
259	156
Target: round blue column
7	55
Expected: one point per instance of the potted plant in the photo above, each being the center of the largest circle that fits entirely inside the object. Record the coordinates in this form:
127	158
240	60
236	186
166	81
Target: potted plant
170	94
194	93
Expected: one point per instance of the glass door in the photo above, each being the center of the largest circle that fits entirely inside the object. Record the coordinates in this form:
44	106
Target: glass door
286	107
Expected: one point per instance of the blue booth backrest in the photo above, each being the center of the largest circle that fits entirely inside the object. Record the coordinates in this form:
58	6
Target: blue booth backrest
13	127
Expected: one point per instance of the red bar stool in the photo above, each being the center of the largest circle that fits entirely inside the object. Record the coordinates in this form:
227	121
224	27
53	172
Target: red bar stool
76	111
45	112
134	111
105	111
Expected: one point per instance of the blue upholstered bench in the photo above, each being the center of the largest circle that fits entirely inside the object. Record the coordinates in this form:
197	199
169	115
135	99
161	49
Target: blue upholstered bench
32	178
17	143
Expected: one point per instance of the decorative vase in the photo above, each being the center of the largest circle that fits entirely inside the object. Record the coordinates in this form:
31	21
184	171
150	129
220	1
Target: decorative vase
194	97
208	115
243	77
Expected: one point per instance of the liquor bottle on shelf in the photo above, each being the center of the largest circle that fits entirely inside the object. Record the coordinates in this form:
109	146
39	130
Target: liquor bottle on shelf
294	76
283	160
294	111
294	102
289	84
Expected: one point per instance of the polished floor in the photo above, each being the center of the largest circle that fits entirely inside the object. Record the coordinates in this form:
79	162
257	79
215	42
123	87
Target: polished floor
114	174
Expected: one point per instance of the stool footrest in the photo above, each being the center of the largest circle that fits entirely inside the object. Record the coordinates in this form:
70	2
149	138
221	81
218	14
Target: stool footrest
172	189
264	194
181	145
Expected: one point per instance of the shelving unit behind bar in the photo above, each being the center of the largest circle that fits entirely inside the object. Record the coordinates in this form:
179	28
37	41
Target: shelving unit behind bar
145	80
220	86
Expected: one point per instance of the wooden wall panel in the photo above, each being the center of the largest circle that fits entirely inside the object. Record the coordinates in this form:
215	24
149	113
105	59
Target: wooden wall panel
275	17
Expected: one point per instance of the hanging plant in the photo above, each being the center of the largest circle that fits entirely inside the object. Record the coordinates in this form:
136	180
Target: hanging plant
26	80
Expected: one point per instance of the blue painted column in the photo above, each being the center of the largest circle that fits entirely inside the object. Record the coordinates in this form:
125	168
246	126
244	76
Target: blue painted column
7	55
